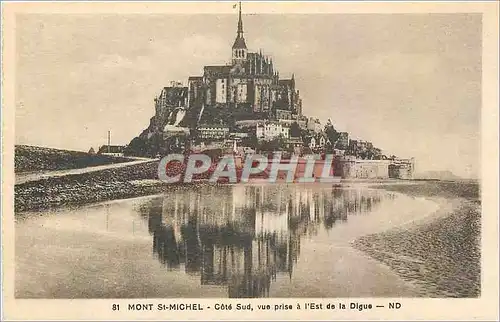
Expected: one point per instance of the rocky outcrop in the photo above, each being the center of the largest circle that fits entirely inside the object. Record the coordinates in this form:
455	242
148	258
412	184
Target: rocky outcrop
171	109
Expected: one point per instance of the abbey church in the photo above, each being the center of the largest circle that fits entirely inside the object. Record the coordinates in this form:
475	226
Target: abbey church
247	88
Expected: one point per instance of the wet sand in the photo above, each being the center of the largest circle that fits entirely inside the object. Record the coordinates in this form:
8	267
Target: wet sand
440	254
136	248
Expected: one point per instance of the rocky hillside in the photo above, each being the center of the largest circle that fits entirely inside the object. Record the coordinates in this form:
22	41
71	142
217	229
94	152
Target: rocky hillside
169	107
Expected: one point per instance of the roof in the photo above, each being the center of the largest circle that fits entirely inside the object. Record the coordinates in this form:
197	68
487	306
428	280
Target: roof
321	135
222	69
204	126
195	78
288	82
268	122
239	43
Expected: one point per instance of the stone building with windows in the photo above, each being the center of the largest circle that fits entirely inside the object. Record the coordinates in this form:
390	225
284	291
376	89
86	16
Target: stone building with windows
271	130
212	132
247	87
112	150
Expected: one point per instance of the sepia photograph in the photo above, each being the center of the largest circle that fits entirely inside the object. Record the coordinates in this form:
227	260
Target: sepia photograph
248	155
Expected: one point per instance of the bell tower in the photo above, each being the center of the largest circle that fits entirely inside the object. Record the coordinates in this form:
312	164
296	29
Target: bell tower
240	50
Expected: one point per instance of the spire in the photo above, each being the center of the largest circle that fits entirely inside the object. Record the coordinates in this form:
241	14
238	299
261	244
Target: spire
240	23
239	42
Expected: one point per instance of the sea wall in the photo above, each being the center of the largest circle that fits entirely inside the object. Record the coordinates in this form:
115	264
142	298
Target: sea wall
33	158
84	188
348	168
401	171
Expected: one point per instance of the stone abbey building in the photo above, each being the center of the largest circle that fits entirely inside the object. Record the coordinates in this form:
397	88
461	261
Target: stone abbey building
247	88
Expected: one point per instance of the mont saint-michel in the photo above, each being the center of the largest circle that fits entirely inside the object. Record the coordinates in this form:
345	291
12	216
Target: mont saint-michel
246	105
95	221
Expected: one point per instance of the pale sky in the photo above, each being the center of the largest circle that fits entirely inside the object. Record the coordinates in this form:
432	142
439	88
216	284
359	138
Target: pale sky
409	83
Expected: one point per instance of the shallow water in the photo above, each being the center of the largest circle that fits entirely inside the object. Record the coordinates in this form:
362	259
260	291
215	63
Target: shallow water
228	241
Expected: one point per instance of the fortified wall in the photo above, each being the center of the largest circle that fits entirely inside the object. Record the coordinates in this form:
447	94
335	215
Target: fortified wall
350	168
402	168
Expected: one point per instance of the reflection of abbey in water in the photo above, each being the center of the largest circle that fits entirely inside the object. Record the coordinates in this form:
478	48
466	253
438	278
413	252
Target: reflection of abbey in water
243	236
